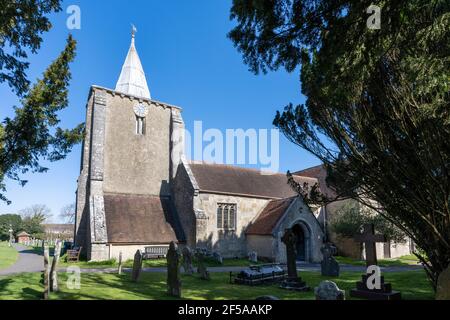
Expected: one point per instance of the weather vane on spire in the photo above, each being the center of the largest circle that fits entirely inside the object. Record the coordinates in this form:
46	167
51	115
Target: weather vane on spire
133	30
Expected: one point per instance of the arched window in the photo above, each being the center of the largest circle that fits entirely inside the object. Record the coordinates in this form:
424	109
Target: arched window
226	216
140	125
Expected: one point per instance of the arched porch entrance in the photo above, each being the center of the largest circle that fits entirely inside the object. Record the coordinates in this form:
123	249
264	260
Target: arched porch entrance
302	232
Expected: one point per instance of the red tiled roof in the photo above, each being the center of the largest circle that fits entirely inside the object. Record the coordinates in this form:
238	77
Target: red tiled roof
269	217
243	181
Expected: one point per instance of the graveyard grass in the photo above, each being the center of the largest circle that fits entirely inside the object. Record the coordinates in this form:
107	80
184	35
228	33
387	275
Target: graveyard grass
8	255
95	286
397	262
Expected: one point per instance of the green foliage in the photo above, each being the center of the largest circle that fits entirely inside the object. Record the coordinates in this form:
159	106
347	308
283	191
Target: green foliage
33	134
7	221
21	26
349	220
33	219
377	112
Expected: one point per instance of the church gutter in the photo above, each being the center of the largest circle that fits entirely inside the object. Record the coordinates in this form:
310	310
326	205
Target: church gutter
241	195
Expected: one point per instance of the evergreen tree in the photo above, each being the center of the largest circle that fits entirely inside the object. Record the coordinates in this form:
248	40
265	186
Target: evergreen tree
33	134
377	112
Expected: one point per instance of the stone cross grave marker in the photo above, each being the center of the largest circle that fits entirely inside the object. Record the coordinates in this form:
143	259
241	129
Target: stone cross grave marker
370	239
293	281
187	260
173	271
372	285
137	266
290	240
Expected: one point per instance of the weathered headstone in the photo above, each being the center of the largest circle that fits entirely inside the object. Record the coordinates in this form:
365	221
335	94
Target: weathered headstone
201	266
218	257
253	257
365	288
173	271
187	260
329	265
293	281
46	272
119	269
137	266
54	270
328	290
443	285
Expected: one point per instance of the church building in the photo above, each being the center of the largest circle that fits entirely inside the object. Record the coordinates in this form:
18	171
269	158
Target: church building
136	189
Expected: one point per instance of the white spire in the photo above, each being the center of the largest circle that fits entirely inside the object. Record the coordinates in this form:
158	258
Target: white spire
132	78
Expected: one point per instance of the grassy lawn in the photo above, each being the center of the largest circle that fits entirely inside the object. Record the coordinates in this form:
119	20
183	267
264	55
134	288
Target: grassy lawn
155	263
401	261
8	255
413	285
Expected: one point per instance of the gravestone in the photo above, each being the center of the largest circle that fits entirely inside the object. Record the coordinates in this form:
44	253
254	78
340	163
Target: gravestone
46	272
293	281
119	270
443	285
201	266
173	271
218	257
384	290
253	257
329	265
137	266
370	239
328	290
187	260
54	270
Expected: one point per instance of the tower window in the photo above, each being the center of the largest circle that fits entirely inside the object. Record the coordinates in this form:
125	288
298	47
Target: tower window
226	216
140	125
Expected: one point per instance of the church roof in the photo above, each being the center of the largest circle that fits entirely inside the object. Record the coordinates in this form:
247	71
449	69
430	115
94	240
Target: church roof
320	173
136	219
268	219
132	78
225	179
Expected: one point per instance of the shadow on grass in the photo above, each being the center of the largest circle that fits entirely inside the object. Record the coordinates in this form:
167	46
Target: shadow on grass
152	286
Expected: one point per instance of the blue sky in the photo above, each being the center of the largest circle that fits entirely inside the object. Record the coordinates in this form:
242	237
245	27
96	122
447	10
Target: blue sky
188	61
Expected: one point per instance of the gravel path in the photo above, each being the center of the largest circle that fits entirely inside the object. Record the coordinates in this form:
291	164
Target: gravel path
28	261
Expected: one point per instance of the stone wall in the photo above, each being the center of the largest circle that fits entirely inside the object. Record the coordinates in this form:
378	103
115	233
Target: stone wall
228	243
82	207
136	164
264	246
183	196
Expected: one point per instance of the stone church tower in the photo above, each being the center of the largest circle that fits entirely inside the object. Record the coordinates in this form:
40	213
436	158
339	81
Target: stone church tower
130	154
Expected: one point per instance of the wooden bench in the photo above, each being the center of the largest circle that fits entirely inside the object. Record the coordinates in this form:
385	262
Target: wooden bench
73	255
155	252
